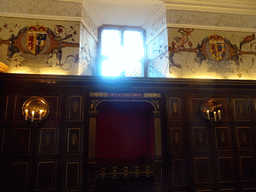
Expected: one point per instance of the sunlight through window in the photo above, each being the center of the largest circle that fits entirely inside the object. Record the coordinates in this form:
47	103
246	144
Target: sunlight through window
122	53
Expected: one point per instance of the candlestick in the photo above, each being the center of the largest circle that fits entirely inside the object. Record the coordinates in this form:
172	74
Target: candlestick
219	114
208	114
215	117
40	115
26	114
33	114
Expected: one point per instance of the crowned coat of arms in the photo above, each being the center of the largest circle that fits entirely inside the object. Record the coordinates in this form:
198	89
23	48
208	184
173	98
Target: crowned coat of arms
217	47
36	39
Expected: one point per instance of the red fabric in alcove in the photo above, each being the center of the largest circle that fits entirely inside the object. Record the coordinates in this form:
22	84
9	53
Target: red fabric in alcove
124	132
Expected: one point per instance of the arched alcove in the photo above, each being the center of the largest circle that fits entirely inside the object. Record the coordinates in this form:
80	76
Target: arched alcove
125	116
124	143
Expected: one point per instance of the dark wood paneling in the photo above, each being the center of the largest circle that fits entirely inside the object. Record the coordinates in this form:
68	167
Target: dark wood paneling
198	155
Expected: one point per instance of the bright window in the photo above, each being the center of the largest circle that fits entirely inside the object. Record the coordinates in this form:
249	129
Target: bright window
122	52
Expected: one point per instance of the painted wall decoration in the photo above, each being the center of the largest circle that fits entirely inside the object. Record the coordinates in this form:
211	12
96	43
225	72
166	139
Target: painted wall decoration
195	53
39	43
45	47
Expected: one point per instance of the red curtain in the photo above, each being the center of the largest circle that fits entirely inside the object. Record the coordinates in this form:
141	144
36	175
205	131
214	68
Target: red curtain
124	132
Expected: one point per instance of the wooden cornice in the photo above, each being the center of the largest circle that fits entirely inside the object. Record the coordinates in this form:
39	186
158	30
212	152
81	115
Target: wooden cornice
121	84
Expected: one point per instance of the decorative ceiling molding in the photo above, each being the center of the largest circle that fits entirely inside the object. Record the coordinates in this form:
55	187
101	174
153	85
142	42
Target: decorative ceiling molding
213	21
217	6
211	27
34	16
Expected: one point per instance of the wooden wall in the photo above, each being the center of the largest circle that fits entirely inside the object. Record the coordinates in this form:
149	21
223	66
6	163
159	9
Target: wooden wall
198	155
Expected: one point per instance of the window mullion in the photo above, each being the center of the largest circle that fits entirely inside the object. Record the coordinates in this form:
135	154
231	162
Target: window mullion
122	37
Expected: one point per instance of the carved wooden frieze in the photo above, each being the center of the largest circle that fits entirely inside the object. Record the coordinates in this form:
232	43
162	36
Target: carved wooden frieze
124	171
125	95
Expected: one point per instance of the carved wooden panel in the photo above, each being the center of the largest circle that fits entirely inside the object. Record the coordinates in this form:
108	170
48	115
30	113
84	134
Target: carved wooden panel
202	169
75	108
178	171
241	109
72	175
48	140
247	164
244	137
2	134
53	102
45	174
175	108
225	167
3	107
176	138
200	138
19	100
21	140
222	137
74	140
19	173
195	108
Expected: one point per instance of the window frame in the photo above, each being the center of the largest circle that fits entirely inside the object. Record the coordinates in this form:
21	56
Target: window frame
122	28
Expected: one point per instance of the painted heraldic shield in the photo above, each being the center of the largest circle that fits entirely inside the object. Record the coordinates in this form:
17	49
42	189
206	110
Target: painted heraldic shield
36	39
217	47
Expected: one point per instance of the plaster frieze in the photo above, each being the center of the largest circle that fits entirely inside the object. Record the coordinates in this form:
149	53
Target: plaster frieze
43	8
245	7
207	20
77	10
